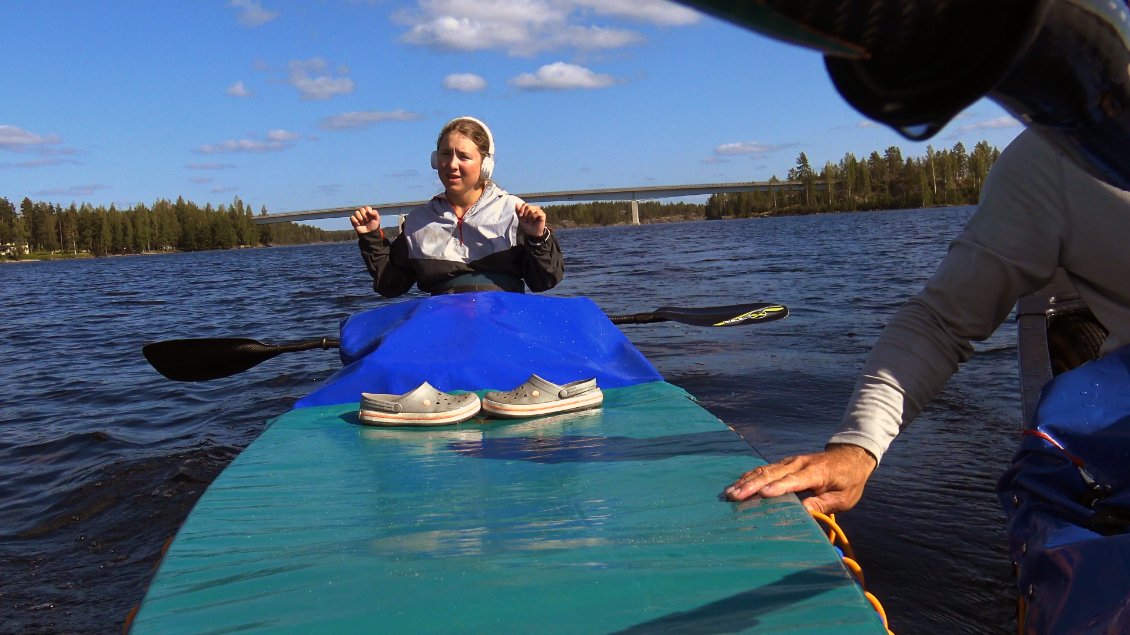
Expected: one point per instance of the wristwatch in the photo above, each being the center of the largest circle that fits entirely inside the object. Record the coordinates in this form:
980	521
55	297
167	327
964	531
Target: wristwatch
540	240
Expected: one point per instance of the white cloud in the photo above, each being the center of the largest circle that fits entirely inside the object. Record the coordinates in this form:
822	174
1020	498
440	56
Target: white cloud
275	141
657	12
364	119
40	163
593	38
455	33
562	76
464	82
281	135
1005	121
13	138
745	147
72	190
526	27
251	13
239	90
309	77
210	166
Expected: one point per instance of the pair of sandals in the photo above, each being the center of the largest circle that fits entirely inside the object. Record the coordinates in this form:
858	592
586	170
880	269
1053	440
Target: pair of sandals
427	406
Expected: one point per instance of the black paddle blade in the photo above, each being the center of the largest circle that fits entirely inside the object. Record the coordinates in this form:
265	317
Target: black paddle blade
730	315
204	359
213	358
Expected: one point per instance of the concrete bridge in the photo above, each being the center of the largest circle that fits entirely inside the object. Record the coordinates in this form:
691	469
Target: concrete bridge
633	194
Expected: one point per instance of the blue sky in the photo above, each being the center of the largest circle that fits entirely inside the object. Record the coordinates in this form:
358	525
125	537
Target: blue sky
298	105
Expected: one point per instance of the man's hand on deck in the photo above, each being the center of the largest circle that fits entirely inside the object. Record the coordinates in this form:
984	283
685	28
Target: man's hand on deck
835	477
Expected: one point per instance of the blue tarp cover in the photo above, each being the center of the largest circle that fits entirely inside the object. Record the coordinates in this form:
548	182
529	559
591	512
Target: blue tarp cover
480	341
1074	579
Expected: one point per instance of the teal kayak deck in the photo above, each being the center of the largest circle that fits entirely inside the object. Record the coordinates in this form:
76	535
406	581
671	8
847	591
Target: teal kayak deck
598	522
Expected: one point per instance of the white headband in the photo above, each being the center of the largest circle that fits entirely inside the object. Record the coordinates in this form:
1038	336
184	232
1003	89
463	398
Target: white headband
488	160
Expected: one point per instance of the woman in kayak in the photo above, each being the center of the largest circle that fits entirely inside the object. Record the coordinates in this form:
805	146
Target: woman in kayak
474	236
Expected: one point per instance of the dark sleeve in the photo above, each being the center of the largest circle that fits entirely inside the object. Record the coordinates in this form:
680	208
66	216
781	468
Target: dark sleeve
543	265
387	263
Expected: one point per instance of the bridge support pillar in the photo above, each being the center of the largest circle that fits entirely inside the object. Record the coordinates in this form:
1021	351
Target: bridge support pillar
635	212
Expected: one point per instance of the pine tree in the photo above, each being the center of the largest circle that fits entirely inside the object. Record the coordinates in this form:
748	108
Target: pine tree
7	222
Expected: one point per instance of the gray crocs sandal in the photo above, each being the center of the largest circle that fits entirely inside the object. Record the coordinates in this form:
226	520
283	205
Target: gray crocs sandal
423	406
538	397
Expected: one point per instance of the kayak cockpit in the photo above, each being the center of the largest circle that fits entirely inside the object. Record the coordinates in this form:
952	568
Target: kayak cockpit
1056	332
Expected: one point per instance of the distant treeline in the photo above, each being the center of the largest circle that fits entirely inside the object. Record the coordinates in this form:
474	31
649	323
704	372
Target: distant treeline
887	181
163	226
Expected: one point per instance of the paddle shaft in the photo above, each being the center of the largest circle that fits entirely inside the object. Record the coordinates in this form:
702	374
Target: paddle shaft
730	315
212	358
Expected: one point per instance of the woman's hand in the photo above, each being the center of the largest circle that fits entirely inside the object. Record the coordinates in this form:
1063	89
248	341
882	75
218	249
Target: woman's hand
365	220
835	477
531	219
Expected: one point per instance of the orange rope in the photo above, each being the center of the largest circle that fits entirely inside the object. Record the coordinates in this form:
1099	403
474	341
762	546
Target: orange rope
878	607
129	619
133	612
837	537
856	570
841	537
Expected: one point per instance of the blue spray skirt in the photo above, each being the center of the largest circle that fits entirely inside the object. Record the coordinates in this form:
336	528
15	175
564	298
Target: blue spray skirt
1068	503
480	341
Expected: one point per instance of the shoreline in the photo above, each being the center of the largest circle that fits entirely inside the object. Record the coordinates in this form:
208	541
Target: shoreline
164	252
568	225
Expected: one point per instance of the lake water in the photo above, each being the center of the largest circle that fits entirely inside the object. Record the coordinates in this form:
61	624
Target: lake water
101	458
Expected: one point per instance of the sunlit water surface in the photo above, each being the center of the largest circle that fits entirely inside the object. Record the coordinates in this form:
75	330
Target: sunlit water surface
101	458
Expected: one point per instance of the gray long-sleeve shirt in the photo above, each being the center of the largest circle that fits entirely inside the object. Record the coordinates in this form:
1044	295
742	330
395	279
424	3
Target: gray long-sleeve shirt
1038	211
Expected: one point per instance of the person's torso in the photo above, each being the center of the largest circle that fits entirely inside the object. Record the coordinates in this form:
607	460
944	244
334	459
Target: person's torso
441	246
1095	255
